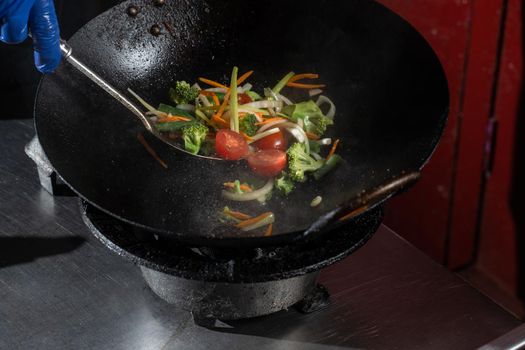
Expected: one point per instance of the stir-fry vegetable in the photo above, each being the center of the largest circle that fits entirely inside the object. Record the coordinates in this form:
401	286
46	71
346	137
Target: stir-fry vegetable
284	184
183	93
281	139
193	136
300	162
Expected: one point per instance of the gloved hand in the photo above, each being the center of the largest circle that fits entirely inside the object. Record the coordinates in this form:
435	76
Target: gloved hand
38	16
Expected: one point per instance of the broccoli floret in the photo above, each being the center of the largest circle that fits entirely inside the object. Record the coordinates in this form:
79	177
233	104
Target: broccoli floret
247	124
300	162
313	118
284	184
193	136
183	93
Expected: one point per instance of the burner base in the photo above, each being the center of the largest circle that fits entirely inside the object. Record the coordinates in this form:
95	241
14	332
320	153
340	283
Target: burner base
230	301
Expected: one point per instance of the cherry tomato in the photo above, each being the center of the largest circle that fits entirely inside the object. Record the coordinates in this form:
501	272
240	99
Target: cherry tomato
268	162
230	145
273	141
243	98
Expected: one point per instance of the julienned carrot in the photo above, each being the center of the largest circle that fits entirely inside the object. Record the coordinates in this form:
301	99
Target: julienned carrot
353	213
269	120
243	187
246	137
206	93
332	151
228	93
303	76
150	150
213	83
312	136
244	77
254	220
268	231
237	214
174	118
216	100
306	86
221	122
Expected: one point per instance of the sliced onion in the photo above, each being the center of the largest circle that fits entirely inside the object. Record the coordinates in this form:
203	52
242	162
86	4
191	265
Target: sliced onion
144	103
270	219
262	135
217	89
323	99
316	156
298	133
272	112
285	99
263	104
186	107
247	87
269	125
300	122
226	115
249	196
315	92
204	100
325	142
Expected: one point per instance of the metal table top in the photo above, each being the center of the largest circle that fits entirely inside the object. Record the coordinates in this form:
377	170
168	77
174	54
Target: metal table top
61	289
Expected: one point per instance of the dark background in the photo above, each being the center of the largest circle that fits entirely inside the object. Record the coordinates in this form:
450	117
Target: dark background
18	77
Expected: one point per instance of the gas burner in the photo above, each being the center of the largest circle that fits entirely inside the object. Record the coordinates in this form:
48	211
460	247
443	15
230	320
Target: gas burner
232	283
222	283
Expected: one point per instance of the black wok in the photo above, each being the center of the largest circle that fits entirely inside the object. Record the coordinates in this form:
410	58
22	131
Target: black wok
387	83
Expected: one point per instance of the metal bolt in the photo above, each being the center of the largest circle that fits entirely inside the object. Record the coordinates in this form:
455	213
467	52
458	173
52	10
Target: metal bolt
159	3
155	30
132	10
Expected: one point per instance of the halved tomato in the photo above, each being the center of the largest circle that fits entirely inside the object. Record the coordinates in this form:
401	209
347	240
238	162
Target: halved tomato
273	141
268	162
230	145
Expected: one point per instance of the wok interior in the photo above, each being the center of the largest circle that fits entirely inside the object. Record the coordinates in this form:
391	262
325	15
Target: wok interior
388	86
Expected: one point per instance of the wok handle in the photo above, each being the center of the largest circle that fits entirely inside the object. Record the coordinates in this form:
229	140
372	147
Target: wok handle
372	198
67	53
363	202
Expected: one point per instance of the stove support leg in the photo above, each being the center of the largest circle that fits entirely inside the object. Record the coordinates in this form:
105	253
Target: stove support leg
46	174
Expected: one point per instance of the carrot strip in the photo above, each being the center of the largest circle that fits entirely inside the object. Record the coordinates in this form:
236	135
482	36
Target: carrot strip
254	220
312	136
244	187
269	120
238	215
243	77
213	83
353	213
174	118
150	150
268	231
227	96
216	100
206	93
332	151
303	76
306	86
246	137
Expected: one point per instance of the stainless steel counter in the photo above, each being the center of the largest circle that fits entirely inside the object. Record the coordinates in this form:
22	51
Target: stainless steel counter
61	289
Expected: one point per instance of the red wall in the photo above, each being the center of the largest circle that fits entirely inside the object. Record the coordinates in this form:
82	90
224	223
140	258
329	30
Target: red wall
421	216
462	213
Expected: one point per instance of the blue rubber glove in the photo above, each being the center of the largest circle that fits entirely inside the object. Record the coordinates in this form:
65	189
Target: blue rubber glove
19	16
